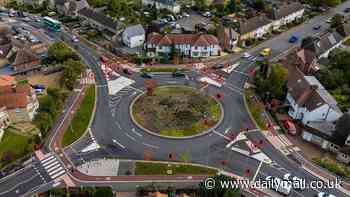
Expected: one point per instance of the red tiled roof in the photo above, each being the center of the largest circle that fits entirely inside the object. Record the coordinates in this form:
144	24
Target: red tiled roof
25	56
14	97
191	39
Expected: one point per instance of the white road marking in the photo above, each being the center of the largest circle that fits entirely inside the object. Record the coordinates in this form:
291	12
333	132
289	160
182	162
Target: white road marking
119	144
118	125
257	171
221	135
132	87
230	144
227	130
137	133
129	136
242	73
150	145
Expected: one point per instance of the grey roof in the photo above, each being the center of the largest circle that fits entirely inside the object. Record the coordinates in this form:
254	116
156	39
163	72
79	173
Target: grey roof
285	10
98	17
167	2
253	24
324	127
134	30
60	2
324	94
325	42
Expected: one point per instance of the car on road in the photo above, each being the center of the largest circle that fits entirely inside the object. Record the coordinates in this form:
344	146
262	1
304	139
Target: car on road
178	74
75	38
289	125
218	66
265	52
297	182
347	10
207	14
316	27
283	187
293	39
146	75
323	194
246	55
329	20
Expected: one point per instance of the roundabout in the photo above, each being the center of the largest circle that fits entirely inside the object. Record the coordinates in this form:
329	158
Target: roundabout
176	111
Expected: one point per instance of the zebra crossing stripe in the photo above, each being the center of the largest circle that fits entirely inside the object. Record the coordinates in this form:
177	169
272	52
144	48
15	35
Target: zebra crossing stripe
58	174
49	162
56	170
53	168
47	158
52	164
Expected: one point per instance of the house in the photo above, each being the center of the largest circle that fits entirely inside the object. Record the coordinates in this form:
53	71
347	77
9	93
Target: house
309	101
228	38
170	5
189	45
7	80
34	3
286	13
25	61
313	49
133	36
255	27
58	4
100	21
70	7
20	102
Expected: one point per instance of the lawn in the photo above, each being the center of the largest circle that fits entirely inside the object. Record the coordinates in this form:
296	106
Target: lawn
14	146
147	168
255	109
176	111
81	118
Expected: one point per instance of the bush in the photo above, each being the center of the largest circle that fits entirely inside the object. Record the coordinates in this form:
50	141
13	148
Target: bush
338	169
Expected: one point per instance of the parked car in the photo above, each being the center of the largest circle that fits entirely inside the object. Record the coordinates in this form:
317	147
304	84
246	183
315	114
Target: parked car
146	75
293	39
289	125
178	74
329	20
104	59
39	86
316	27
218	66
75	39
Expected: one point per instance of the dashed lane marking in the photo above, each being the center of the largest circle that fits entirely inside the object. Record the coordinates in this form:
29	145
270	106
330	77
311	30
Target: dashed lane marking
129	136
150	145
137	133
119	144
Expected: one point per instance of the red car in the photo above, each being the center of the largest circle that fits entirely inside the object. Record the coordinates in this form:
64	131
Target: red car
289	125
104	59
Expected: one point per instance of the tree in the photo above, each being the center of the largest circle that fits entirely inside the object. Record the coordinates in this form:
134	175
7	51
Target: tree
218	191
332	3
103	192
260	5
60	52
150	86
275	83
337	20
342	128
71	72
231	6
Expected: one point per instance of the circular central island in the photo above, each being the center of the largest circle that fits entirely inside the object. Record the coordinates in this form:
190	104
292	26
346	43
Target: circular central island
176	111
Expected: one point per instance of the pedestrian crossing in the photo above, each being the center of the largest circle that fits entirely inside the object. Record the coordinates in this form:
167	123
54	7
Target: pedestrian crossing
115	99
52	166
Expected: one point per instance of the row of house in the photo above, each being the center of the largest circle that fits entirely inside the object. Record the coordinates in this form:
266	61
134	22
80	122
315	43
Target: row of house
258	26
309	102
189	45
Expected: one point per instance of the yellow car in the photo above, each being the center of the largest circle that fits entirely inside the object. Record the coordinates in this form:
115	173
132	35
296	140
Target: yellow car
265	52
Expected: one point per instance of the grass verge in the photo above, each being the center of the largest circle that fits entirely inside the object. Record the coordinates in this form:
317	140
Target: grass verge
148	168
13	147
256	109
332	166
81	118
